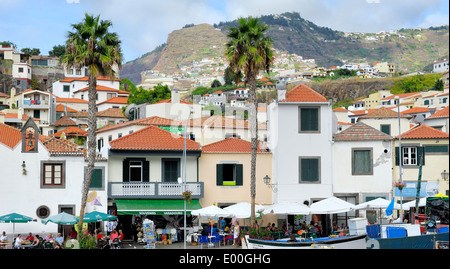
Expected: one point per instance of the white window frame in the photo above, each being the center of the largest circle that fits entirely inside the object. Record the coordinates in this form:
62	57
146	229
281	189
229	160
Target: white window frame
407	155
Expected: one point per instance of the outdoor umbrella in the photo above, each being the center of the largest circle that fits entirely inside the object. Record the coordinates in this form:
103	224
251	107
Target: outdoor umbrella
96	216
243	210
212	212
408	205
62	218
287	208
15	218
331	205
378	203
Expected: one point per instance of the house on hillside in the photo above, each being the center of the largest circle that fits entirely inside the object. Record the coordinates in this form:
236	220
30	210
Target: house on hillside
439	120
386	120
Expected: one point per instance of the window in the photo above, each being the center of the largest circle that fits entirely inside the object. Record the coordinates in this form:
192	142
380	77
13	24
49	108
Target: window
309	119
385	128
309	169
109	137
170	169
135	170
20	69
100	144
362	161
411	155
53	174
229	174
66	88
436	149
97	180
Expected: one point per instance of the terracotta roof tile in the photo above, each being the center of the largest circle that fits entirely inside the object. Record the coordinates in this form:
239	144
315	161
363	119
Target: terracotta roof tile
153	138
99	88
9	135
361	132
221	122
70	100
62	147
64	121
155	120
115	100
423	132
416	109
340	109
170	101
60	108
303	93
403	95
443	113
87	79
111	112
71	131
230	145
383	112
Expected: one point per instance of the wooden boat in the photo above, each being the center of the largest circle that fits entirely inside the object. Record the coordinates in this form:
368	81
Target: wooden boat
342	242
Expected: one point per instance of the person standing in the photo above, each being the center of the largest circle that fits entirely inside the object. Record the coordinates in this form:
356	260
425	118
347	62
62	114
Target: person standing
236	233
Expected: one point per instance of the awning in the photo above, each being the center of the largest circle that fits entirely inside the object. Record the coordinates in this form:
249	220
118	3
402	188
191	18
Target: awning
155	207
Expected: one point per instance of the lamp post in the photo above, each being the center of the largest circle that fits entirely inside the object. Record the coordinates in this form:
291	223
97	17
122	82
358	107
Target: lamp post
444	175
184	175
267	182
400	157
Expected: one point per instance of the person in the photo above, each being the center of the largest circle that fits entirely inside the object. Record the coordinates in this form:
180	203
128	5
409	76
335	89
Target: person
3	237
100	236
18	243
113	235
235	233
73	234
222	223
35	243
334	228
273	229
49	238
59	239
120	237
30	237
319	229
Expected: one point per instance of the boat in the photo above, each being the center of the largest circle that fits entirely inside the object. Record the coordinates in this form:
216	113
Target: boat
339	242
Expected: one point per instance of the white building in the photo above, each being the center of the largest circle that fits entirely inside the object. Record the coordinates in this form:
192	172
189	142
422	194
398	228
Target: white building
300	130
440	66
67	87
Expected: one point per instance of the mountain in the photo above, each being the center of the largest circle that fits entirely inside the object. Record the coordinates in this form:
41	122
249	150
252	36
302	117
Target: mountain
409	49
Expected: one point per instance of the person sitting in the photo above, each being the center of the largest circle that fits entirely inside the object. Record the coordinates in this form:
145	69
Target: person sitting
59	239
18	242
100	236
292	238
49	238
35	243
3	237
30	237
73	234
273	229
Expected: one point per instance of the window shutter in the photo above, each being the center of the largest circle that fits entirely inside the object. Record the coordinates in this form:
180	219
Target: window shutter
146	171
126	171
239	175
420	153
96	181
309	169
219	174
397	157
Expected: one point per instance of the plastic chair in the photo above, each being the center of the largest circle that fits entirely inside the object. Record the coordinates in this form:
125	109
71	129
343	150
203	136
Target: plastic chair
202	239
48	245
115	243
215	240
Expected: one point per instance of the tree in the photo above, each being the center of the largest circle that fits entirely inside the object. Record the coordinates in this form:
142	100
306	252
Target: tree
91	45
249	51
216	83
33	51
58	51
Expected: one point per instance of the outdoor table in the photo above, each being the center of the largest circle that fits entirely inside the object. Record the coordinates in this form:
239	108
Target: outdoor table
3	244
26	245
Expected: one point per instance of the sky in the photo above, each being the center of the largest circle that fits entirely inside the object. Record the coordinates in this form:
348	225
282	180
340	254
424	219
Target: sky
142	25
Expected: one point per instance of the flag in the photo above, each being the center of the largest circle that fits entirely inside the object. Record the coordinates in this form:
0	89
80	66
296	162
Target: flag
390	208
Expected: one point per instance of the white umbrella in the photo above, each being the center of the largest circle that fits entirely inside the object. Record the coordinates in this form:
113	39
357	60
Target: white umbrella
243	210
408	205
289	208
331	205
211	211
378	203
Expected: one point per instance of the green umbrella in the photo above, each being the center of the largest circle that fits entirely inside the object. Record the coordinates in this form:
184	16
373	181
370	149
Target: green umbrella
62	218
15	218
96	216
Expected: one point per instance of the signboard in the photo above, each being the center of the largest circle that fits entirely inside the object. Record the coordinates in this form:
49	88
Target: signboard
426	189
162	212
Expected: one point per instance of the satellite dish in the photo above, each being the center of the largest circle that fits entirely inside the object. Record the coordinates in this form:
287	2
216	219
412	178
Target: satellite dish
419	118
129	112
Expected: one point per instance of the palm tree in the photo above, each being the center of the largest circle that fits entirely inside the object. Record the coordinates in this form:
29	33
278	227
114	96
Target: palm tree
249	51
91	45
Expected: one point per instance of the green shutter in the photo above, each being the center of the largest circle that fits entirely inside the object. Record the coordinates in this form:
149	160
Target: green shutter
239	175
309	169
126	170
386	129
219	174
96	181
420	153
436	148
146	171
361	162
309	119
396	157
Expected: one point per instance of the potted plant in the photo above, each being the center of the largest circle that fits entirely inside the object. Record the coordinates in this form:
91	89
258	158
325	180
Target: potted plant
399	185
187	195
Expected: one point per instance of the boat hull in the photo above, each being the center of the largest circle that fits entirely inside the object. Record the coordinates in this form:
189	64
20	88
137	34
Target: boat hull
346	242
426	241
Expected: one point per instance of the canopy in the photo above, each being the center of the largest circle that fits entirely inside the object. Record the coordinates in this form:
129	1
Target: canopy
408	205
211	211
155	207
378	203
243	210
96	216
331	205
290	208
62	218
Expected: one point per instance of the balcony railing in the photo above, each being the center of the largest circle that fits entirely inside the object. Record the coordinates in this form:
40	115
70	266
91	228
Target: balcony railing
153	190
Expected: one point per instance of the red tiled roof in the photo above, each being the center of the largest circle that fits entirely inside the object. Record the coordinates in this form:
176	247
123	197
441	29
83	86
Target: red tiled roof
221	122
153	138
232	144
359	132
443	113
87	79
340	109
115	100
170	101
414	110
424	132
71	131
9	136
62	146
70	100
403	95
60	108
111	112
383	112
303	93
64	121
98	88
154	120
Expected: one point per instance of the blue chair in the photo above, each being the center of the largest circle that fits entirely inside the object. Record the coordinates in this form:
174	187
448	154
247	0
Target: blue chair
202	239
216	239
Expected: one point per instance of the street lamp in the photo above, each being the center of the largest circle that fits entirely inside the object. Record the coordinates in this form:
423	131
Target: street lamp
444	175
400	157
184	172
267	182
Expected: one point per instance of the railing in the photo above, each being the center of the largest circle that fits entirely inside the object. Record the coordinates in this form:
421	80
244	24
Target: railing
153	190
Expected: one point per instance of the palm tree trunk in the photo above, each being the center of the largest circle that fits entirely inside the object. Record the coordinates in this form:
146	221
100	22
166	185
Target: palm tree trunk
254	140
92	146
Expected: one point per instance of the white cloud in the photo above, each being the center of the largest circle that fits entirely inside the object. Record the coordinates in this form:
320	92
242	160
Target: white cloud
73	1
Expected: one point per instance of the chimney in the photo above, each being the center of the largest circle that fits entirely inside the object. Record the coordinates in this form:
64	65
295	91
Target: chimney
175	96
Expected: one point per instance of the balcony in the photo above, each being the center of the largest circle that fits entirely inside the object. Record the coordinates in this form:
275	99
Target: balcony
153	190
36	104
